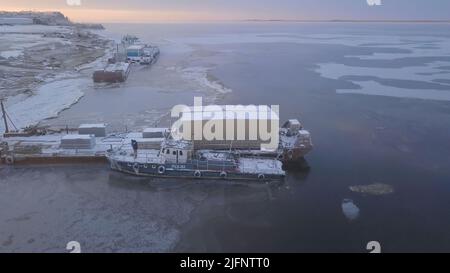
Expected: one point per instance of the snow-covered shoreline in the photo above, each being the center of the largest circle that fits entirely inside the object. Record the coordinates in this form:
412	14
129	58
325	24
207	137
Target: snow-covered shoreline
46	69
46	102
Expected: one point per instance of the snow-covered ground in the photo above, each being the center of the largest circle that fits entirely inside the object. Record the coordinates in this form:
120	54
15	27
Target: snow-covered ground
46	102
45	69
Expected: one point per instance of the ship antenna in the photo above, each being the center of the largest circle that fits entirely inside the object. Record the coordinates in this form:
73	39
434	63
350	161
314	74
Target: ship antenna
4	116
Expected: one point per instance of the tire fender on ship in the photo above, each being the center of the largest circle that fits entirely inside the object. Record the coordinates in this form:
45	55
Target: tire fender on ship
161	169
136	167
290	154
9	159
223	174
197	173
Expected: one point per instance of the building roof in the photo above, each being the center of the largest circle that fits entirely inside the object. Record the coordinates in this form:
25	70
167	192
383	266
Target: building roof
154	130
98	125
77	137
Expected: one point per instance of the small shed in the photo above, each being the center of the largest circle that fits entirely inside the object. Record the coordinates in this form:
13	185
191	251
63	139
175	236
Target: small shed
154	133
78	142
98	130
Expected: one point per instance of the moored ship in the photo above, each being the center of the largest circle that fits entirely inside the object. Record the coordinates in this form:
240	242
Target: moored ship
156	152
177	158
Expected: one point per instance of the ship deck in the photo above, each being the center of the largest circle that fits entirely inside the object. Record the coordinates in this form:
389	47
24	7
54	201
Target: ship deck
260	166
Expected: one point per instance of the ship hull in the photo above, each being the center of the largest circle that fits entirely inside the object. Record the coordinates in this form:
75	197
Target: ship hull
180	171
286	156
289	156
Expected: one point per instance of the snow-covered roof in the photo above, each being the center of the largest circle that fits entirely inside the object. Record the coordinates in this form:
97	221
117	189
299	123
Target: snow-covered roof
76	137
117	67
154	130
150	140
98	125
294	122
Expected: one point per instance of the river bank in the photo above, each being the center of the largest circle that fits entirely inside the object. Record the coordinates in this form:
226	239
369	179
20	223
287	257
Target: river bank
44	69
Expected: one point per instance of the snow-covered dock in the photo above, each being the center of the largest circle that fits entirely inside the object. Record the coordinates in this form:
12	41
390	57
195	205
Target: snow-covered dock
90	141
62	148
152	155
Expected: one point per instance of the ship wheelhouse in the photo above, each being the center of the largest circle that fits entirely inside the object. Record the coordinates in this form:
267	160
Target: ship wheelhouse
177	152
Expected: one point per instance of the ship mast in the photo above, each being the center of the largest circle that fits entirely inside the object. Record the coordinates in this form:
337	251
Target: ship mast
4	116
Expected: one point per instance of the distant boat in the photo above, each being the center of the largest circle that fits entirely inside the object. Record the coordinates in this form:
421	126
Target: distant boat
138	52
142	54
129	39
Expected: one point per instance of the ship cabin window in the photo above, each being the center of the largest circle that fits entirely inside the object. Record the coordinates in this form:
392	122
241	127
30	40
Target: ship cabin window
168	151
163	150
181	153
174	152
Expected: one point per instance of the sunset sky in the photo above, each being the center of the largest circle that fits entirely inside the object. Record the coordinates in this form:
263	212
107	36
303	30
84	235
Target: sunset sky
176	10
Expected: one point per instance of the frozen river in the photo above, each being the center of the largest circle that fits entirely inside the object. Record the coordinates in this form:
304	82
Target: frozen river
375	97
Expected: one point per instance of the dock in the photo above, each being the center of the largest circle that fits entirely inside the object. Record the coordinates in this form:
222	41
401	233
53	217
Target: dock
87	143
91	142
130	51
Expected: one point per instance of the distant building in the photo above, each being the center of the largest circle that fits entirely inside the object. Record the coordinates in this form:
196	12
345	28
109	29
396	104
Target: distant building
31	17
16	21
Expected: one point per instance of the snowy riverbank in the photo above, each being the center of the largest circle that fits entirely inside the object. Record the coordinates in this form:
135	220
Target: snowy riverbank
44	69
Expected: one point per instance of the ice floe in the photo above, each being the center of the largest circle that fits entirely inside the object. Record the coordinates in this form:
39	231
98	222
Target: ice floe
422	73
376	89
403	47
373	189
350	210
46	102
427	74
202	78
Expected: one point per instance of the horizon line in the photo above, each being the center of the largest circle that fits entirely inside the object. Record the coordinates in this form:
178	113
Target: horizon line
331	20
